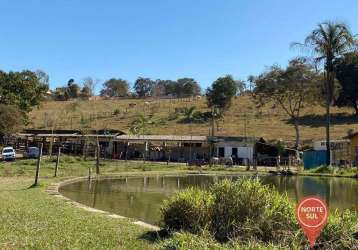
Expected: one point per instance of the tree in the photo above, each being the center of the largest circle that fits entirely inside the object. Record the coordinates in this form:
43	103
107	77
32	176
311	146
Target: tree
73	89
220	94
163	88
90	84
11	119
170	87
241	87
86	92
115	88
346	70
140	125
61	94
289	88
251	83
187	87
143	87
329	41
219	97
21	89
43	77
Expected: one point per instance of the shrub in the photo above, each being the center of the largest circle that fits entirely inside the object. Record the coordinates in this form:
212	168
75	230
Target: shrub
116	112
247	215
338	233
246	209
173	116
188	210
202	117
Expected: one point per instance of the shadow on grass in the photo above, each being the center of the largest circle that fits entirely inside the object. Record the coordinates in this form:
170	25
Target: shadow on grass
39	185
155	236
316	121
191	121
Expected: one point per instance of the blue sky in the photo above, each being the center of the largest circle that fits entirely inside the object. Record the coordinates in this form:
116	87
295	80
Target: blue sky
166	39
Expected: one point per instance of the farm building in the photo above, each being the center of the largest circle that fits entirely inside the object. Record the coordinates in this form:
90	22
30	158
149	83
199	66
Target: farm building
340	154
353	139
117	145
237	147
161	147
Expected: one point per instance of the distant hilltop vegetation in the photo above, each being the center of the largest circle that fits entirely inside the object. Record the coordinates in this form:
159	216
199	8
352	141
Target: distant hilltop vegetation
189	116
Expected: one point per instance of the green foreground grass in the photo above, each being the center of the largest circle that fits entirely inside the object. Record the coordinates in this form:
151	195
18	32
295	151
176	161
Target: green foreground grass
32	219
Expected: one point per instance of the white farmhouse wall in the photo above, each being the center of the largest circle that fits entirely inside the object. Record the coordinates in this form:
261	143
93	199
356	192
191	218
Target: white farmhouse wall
242	152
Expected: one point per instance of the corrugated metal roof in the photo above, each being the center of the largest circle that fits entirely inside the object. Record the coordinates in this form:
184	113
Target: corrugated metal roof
161	138
62	135
175	138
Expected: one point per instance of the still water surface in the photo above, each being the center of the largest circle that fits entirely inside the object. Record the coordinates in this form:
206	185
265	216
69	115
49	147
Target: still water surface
141	197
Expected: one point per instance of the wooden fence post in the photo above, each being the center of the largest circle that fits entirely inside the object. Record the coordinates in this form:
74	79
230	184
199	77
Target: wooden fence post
57	160
97	158
38	165
89	173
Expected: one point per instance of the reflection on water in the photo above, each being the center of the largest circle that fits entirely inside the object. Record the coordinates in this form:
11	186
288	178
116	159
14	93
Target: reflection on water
141	197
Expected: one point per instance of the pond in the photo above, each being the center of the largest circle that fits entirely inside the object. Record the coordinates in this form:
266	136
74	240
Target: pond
142	197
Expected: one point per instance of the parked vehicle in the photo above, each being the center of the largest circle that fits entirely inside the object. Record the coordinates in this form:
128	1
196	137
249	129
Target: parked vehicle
8	154
32	152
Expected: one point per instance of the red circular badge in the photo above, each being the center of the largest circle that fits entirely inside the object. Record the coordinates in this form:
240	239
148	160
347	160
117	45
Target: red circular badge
312	215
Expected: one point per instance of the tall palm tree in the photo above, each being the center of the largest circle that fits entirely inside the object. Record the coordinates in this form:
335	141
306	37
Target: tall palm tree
327	42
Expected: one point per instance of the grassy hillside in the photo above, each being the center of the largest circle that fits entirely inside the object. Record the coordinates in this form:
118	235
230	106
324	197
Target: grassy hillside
269	122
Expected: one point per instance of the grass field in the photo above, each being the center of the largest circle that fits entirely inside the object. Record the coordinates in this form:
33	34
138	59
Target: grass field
32	219
242	118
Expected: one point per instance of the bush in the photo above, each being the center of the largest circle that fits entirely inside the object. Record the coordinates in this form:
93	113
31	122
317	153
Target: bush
116	112
173	116
202	117
188	210
247	209
247	215
338	232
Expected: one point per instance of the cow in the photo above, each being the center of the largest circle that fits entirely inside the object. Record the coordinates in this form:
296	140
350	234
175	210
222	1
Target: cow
214	161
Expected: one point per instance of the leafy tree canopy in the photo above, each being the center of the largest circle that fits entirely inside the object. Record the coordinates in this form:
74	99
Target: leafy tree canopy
220	94
346	69
289	88
143	86
11	119
73	89
23	90
186	87
115	88
86	92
